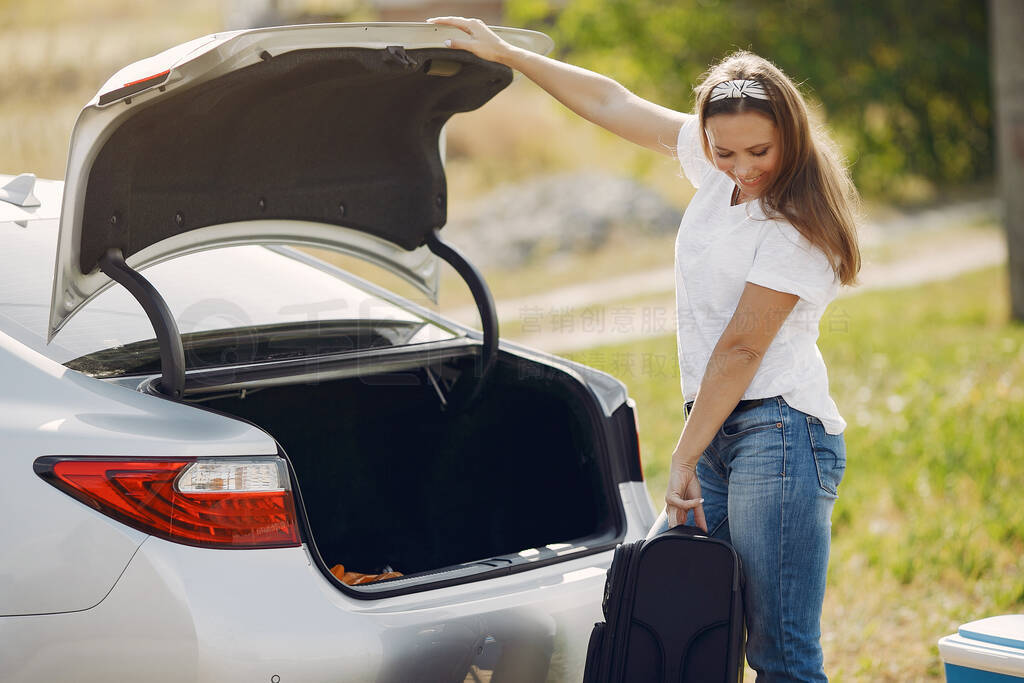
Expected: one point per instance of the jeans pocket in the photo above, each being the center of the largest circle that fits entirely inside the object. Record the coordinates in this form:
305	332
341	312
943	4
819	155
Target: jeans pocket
742	422
829	456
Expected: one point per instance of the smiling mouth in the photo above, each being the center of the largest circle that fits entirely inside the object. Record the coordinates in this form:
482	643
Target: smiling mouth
750	181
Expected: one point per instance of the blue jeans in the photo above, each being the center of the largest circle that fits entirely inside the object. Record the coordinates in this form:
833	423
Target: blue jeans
769	480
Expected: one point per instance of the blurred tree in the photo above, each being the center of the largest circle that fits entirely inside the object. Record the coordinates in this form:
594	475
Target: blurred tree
1008	77
905	85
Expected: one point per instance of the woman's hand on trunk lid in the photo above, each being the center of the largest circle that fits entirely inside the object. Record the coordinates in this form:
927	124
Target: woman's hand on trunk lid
480	40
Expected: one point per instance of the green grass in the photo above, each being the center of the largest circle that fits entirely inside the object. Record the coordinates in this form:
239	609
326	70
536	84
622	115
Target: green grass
929	528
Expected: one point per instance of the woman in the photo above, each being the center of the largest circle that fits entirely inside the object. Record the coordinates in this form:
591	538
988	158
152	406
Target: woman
763	248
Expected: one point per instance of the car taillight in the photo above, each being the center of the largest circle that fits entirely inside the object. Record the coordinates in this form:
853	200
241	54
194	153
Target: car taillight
211	502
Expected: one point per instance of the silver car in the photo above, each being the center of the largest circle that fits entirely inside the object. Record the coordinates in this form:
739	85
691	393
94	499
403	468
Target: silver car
226	459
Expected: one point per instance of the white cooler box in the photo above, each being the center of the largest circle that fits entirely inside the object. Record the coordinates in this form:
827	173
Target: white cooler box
986	651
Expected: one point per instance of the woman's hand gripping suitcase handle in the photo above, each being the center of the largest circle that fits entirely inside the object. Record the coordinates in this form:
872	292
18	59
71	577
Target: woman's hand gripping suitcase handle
684	495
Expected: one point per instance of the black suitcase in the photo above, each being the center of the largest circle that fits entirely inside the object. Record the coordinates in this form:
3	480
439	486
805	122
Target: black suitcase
673	609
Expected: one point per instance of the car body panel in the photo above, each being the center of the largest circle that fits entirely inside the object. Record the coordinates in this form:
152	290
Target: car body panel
207	599
58	554
223	67
203	599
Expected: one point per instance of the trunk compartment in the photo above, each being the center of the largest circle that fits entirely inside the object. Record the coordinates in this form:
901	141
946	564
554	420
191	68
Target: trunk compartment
391	478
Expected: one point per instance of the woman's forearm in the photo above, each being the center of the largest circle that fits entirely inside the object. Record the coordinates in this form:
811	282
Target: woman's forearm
732	366
587	93
729	373
598	99
602	101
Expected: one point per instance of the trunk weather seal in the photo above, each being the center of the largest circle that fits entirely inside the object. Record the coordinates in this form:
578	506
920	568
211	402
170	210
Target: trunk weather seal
291	371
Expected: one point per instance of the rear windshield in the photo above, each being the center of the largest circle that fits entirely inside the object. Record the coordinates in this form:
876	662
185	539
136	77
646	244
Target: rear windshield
232	305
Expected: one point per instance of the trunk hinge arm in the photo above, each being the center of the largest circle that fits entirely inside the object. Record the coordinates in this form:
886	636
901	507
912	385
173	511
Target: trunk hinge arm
484	304
172	351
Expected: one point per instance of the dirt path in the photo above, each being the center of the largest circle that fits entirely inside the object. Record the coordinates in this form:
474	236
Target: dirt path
927	246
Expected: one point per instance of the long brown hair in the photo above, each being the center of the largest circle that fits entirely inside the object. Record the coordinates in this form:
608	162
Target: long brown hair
811	188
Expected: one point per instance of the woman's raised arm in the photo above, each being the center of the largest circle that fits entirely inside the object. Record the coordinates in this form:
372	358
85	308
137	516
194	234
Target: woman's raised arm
596	98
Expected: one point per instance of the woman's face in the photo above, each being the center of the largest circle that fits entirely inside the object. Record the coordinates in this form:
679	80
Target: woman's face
746	147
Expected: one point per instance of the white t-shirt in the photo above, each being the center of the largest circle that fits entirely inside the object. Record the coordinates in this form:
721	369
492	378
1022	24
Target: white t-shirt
718	250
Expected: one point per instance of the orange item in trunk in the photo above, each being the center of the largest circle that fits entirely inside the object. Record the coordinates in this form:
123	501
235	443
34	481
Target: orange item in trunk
355	578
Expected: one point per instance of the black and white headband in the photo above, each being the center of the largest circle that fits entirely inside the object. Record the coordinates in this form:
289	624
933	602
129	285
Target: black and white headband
738	88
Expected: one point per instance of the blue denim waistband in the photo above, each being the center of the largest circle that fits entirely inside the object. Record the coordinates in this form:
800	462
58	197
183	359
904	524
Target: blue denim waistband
742	405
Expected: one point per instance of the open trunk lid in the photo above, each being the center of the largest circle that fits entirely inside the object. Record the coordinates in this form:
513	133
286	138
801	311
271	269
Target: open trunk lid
326	135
